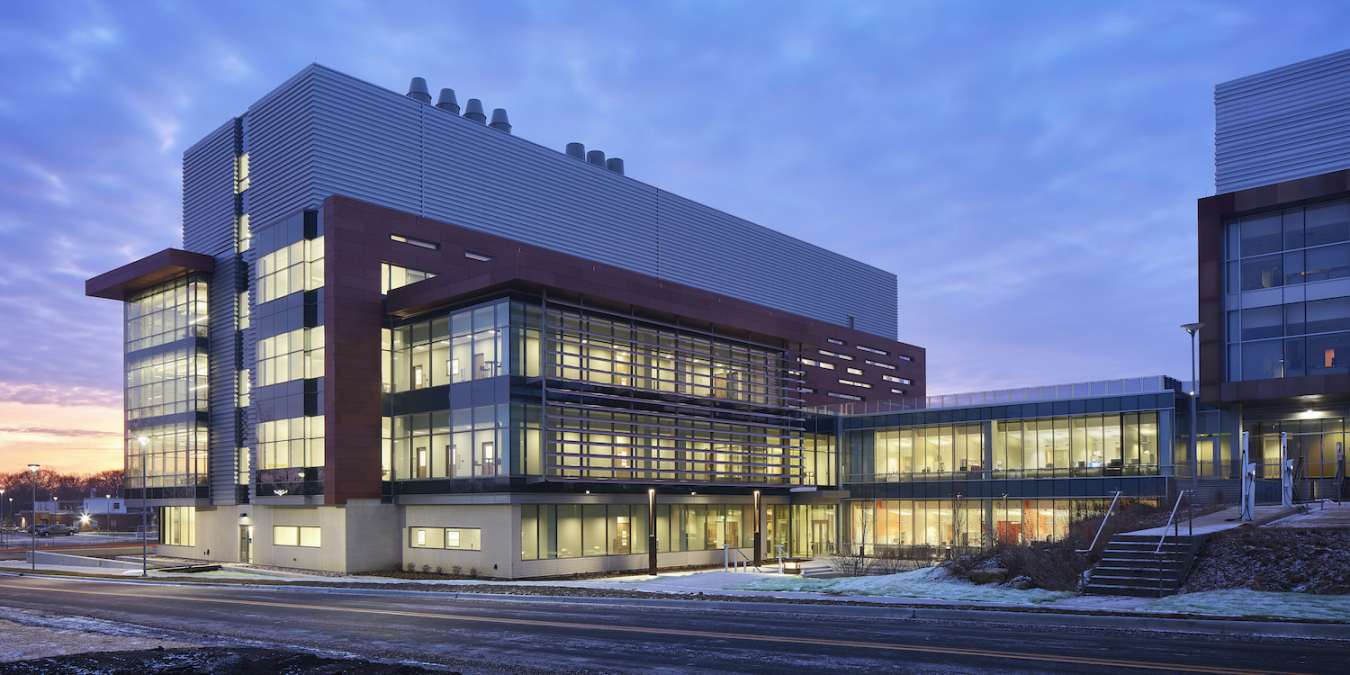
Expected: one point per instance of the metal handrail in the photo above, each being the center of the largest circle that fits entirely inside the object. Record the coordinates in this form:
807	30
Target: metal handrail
733	558
1175	507
1103	525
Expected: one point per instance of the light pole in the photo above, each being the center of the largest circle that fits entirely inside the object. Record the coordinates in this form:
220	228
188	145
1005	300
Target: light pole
32	468
144	441
4	533
1192	329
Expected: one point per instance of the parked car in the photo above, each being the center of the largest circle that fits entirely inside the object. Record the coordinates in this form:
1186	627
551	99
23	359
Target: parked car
56	530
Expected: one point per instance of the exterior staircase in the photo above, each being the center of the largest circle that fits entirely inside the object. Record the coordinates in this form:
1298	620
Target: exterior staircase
1129	565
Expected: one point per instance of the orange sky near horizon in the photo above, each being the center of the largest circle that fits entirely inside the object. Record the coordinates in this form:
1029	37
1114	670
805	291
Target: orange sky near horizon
64	438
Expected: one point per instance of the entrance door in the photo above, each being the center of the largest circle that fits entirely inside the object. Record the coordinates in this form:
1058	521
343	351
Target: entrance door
822	537
245	543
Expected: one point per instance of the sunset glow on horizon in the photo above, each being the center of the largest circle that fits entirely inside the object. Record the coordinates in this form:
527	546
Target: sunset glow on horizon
1029	171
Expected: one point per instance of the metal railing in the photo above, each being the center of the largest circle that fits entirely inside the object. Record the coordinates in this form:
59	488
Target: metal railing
1135	385
734	557
1115	500
1171	520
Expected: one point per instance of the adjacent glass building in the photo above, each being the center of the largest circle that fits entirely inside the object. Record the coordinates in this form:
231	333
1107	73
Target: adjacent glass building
942	473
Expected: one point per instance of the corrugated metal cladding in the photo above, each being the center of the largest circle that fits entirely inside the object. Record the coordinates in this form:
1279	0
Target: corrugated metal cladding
1283	124
208	193
208	227
224	360
326	133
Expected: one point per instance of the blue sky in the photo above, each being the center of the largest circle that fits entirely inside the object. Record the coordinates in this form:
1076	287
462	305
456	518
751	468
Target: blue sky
1028	169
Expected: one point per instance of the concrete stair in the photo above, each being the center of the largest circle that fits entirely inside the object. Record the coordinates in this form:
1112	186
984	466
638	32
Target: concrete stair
1130	566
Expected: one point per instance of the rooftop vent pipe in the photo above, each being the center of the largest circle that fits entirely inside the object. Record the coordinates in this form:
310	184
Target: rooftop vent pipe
499	121
418	91
447	101
615	164
474	110
577	150
596	157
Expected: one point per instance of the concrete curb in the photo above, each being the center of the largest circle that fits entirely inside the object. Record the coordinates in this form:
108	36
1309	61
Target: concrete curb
1000	615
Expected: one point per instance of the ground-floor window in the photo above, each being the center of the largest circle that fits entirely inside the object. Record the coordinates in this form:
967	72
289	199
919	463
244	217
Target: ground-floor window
291	535
961	523
801	530
574	530
179	526
454	538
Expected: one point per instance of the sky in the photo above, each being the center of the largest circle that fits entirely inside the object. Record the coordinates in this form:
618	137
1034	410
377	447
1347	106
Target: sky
1028	170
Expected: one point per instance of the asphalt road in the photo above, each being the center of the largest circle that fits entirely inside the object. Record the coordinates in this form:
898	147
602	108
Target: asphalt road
624	637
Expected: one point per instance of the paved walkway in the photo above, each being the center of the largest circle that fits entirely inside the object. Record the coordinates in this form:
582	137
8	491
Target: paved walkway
1325	515
1219	521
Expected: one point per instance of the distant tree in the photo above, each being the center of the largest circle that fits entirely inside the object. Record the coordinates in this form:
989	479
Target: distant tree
19	487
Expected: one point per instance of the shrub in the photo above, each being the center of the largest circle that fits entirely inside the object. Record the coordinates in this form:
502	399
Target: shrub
440	570
426	569
473	572
456	569
412	567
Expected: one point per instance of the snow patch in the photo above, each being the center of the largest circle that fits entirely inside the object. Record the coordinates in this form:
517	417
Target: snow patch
1247	603
925	583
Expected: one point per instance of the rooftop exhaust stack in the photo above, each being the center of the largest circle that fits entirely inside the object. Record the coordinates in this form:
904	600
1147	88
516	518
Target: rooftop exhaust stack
596	157
418	91
473	110
577	150
499	121
447	101
614	164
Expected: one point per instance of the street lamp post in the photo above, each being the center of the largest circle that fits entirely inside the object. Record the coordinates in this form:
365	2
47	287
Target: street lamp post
1192	329
144	441
3	531
32	555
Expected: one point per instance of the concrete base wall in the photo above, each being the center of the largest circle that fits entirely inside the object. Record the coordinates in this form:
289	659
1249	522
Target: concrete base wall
367	536
44	558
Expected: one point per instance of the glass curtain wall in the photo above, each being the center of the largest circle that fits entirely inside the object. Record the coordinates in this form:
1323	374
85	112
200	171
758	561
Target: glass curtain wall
1288	295
876	525
1311	443
722	411
801	530
476	343
288	317
167	365
1125	444
1094	445
576	530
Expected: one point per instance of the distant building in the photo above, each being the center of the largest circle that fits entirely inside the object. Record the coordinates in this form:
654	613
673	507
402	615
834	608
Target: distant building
1274	275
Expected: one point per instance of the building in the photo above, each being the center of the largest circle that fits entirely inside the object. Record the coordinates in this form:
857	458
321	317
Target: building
929	476
1274	275
398	336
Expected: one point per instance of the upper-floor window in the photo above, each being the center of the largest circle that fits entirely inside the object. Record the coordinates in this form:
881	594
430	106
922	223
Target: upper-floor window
241	180
420	243
395	276
1304	330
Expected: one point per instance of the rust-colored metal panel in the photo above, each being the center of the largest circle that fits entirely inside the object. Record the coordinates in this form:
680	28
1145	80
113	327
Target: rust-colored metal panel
147	272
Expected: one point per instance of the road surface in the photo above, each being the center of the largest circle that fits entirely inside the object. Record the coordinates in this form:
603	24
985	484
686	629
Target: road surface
626	637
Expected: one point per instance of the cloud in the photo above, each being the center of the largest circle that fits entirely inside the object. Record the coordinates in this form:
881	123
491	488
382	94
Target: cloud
1028	171
37	394
67	433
